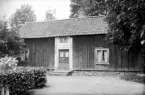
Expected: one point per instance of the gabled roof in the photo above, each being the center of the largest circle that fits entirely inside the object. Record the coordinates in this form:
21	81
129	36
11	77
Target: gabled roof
66	27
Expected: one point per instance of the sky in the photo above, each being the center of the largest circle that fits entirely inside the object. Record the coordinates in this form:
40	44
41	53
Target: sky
62	7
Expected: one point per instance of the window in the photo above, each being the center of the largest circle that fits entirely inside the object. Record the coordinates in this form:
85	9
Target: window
64	40
102	56
25	55
66	54
61	54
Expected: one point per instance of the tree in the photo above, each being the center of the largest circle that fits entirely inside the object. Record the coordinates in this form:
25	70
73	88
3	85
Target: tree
50	14
75	6
90	7
22	15
127	25
10	42
127	28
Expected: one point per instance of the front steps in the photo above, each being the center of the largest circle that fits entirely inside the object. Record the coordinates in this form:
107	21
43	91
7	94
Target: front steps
59	73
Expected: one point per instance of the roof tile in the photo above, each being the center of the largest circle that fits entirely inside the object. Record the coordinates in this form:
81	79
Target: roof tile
66	27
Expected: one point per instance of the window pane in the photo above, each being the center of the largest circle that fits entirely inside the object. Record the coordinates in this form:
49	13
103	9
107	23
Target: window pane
66	54
99	55
26	55
105	56
61	40
23	57
64	40
61	54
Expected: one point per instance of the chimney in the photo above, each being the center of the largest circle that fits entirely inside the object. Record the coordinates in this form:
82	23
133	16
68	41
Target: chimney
81	13
49	16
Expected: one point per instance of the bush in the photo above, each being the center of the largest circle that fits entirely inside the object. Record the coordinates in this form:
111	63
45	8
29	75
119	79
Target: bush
23	63
7	63
23	79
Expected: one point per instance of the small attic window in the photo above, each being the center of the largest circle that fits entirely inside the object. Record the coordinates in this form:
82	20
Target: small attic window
63	39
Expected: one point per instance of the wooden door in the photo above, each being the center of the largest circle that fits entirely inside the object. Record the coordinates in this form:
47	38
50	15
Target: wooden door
64	59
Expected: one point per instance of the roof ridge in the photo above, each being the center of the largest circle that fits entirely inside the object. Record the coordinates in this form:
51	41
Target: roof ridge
93	16
66	19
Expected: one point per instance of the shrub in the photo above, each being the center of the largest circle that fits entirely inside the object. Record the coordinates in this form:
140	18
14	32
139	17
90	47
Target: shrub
23	63
7	63
23	79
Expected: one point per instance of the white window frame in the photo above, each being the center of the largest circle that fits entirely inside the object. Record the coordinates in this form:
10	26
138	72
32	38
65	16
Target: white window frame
96	56
25	55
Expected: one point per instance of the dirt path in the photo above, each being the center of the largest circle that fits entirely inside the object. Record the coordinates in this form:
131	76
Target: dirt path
84	85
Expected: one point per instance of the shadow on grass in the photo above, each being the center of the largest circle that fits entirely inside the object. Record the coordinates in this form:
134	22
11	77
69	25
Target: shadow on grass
140	78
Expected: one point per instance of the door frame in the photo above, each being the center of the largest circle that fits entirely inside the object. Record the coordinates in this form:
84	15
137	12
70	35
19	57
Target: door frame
58	47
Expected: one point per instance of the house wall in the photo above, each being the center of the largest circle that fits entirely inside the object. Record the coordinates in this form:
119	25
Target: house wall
41	52
83	55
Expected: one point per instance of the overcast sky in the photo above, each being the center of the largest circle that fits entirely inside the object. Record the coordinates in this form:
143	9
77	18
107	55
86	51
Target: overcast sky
8	7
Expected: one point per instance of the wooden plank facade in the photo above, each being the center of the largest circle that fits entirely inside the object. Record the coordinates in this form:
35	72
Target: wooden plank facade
42	53
83	55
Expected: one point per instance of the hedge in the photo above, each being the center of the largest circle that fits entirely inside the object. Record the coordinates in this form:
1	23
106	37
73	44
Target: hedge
23	80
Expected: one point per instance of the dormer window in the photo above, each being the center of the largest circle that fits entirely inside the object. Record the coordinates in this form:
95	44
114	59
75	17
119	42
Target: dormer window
63	39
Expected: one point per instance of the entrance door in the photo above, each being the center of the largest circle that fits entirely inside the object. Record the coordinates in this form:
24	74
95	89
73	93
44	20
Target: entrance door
64	59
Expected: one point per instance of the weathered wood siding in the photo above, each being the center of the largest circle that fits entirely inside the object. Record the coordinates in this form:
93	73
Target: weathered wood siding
83	55
41	52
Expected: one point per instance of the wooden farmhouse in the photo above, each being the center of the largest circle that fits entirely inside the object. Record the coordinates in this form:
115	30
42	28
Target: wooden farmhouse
75	44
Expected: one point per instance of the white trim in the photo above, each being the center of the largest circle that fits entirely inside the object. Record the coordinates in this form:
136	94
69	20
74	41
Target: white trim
56	54
71	54
96	49
59	46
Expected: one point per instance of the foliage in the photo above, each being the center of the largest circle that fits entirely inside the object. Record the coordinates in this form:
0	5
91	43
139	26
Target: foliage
127	25
23	79
90	7
22	15
23	63
127	28
7	63
10	42
75	6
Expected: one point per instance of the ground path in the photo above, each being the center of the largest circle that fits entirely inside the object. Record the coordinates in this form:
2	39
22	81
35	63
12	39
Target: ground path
84	85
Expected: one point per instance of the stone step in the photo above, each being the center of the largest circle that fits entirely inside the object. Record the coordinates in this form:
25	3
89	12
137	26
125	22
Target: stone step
59	73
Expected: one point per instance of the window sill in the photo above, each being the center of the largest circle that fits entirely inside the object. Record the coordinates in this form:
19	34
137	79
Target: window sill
102	63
